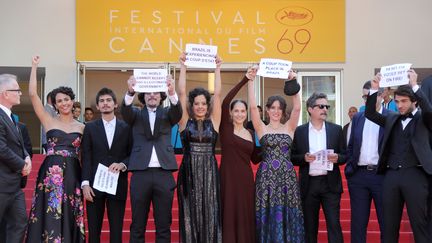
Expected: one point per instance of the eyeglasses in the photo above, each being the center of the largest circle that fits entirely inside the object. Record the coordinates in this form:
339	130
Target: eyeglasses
19	91
322	106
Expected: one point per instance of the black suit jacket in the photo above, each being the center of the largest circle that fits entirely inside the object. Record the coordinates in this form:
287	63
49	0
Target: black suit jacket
356	141
95	150
426	87
421	139
144	140
335	141
12	155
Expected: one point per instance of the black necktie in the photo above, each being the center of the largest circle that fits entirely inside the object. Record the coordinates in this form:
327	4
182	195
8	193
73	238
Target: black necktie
404	117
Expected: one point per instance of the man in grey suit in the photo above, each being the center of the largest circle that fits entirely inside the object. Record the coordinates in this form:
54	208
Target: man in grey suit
152	159
14	162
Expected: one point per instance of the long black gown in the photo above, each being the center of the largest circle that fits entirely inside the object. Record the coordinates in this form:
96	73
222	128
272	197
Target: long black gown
198	185
57	210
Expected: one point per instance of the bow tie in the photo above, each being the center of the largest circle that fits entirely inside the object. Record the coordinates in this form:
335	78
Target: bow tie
404	117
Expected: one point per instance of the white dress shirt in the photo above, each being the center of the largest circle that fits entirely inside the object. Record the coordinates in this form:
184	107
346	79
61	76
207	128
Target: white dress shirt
369	148
317	142
109	130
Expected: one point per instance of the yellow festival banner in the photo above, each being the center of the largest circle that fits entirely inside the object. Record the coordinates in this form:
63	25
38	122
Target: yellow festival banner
243	30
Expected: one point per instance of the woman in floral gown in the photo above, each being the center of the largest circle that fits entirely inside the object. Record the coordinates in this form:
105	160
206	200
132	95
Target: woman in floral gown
279	215
56	214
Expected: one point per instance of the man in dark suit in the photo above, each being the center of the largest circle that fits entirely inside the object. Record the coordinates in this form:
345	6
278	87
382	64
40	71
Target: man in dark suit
319	187
106	141
426	87
405	158
364	184
14	162
152	159
346	130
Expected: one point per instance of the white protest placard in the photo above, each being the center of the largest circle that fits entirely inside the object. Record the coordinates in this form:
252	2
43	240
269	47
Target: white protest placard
201	56
394	75
150	80
321	162
274	68
105	181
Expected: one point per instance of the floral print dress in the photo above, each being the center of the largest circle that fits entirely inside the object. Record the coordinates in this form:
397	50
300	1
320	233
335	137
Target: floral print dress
57	212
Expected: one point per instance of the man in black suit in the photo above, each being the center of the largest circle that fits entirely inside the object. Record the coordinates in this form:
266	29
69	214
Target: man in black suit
346	130
15	162
106	141
319	187
405	158
426	87
152	159
364	184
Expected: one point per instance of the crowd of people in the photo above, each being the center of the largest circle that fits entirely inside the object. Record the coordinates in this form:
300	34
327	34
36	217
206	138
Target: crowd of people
386	148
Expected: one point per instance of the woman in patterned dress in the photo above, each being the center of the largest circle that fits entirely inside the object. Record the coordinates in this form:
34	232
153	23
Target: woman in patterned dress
279	215
198	178
56	214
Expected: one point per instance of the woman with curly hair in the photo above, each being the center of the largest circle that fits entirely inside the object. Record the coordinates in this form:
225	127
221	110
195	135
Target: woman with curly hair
56	214
198	178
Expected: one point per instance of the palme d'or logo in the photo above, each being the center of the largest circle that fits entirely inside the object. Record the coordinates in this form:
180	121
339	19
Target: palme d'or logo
294	16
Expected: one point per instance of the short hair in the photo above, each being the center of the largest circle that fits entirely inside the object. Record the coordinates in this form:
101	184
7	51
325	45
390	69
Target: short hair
63	90
282	103
48	97
88	109
77	104
405	90
6	79
197	92
234	102
311	101
105	91
142	100
367	85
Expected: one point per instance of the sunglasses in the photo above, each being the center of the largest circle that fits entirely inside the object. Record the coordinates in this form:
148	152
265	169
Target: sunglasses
322	106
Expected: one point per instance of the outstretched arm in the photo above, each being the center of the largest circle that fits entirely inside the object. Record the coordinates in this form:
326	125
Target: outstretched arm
40	111
255	117
216	108
370	111
182	92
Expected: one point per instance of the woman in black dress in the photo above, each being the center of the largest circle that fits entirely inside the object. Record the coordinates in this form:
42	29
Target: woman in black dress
198	179
57	211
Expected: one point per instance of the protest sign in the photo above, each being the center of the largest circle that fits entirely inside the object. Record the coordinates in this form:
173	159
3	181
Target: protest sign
394	75
150	80
201	56
274	68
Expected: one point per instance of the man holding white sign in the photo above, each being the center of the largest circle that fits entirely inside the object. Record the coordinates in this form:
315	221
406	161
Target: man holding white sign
106	142
152	159
405	158
320	186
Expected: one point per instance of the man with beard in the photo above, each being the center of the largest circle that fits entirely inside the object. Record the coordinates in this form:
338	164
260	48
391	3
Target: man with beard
317	186
404	158
106	141
152	159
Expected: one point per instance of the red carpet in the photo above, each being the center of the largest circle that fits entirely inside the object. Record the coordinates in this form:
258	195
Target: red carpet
373	228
